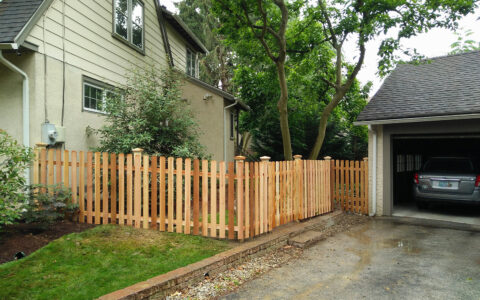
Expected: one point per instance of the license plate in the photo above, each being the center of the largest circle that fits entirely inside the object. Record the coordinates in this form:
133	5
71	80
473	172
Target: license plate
448	185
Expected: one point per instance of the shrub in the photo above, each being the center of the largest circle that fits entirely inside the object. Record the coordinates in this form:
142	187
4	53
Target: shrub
149	113
14	160
49	203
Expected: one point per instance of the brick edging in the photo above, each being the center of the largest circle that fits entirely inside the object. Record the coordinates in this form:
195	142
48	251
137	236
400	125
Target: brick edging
160	286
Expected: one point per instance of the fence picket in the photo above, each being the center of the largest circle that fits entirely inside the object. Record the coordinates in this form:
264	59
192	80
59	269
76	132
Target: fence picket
162	207
81	188
179	197
121	189
205	197
188	193
154	192
129	189
222	200
146	185
170	193
213	200
231	212
137	189
89	187
196	196
74	178
105	188
113	188
97	187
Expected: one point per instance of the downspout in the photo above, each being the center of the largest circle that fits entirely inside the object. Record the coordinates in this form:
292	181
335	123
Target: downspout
25	106
225	129
374	174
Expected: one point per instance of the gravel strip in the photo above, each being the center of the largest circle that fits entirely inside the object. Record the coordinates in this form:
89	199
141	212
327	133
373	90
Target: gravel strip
230	280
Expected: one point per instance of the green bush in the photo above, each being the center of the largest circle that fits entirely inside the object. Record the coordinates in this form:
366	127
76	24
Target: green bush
47	204
14	160
150	113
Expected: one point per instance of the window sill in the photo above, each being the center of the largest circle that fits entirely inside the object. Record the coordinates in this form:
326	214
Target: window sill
121	39
89	110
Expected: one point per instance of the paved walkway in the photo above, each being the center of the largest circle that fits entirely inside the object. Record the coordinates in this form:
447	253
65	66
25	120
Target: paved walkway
378	260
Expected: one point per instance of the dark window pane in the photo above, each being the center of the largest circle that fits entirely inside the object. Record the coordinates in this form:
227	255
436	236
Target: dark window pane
121	6
137	36
121	24
449	166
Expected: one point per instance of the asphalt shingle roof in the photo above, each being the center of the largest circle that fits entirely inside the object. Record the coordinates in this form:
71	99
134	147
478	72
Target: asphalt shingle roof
448	85
14	14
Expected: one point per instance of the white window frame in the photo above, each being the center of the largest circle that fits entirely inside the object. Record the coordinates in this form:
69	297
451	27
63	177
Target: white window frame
129	40
102	87
193	55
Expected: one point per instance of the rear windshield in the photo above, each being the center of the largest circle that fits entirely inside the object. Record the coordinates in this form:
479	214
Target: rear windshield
449	166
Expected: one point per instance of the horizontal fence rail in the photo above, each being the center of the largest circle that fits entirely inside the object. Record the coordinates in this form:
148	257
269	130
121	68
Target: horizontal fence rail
350	185
234	200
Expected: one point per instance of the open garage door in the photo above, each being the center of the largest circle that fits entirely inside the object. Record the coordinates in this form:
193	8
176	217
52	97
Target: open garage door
410	152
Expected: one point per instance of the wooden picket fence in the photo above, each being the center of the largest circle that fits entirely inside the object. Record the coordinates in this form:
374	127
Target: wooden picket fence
235	200
350	185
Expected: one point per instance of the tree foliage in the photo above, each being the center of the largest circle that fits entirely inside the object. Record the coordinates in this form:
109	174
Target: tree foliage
257	21
464	44
149	113
216	67
14	160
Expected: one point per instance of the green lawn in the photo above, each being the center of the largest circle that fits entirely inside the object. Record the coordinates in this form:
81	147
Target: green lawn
101	260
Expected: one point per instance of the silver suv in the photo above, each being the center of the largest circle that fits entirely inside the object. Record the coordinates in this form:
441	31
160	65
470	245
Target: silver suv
447	179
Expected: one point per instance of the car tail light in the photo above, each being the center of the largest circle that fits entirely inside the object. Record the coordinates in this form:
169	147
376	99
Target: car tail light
415	178
477	181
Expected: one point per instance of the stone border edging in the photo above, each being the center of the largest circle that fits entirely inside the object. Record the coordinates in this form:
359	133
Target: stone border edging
161	286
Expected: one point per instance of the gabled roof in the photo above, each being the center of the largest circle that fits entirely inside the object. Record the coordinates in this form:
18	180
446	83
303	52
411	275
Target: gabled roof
183	29
14	16
442	87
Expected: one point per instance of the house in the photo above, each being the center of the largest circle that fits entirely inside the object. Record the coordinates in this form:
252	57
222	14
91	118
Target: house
430	109
58	59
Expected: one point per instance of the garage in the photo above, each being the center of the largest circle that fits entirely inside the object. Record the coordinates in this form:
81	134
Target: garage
425	112
410	153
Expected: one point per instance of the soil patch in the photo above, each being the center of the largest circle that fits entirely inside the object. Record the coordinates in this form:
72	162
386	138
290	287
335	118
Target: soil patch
27	238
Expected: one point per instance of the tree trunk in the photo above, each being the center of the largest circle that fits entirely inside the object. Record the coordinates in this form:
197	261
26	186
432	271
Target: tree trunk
339	94
283	111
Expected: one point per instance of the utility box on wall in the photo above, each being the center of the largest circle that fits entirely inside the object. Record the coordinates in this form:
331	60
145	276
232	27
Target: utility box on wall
52	134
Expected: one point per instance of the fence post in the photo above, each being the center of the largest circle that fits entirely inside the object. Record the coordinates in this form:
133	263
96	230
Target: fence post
298	185
264	193
36	162
240	198
330	173
137	183
366	184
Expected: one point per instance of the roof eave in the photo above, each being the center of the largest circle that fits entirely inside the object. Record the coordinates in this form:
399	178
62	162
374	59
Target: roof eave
225	95
419	119
23	34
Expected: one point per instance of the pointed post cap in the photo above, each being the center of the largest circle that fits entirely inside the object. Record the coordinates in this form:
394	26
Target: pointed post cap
327	158
265	158
239	157
365	158
297	157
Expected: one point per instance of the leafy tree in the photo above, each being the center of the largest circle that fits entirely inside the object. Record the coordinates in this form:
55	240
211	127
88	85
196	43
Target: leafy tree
267	21
150	113
14	160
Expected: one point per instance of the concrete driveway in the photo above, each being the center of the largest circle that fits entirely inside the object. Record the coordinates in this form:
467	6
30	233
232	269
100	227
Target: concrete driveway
378	260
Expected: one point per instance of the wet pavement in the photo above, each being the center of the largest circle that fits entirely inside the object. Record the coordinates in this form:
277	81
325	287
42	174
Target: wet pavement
378	260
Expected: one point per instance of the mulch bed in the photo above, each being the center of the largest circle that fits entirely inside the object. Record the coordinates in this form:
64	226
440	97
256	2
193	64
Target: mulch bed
29	237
